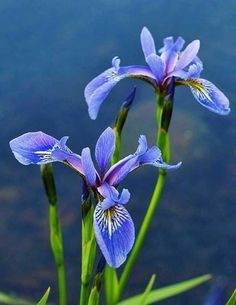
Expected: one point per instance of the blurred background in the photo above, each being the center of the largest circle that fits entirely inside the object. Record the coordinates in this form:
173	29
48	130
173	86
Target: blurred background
49	51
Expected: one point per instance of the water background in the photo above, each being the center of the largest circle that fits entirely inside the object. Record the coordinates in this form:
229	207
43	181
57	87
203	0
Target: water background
49	51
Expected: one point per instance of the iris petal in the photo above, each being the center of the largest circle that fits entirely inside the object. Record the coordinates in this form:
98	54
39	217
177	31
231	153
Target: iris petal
208	95
99	88
40	148
105	148
156	65
169	55
147	42
88	166
142	156
112	196
33	148
188	54
115	234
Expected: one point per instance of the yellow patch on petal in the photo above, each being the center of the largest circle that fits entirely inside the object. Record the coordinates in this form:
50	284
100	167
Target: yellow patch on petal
202	90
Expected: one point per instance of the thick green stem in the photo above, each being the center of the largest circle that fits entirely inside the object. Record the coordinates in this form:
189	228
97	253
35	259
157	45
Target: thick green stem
143	231
55	230
57	248
163	144
88	249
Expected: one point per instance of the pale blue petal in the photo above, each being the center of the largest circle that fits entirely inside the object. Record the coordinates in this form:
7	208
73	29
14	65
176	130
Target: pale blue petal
98	89
168	44
142	147
156	65
188	54
195	68
33	148
209	96
88	167
170	55
192	70
115	234
147	42
40	148
105	148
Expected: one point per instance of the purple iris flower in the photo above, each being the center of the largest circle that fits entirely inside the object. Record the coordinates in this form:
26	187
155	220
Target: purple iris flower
114	228
172	63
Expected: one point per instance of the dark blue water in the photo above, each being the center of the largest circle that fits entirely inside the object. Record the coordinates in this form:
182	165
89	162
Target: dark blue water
49	51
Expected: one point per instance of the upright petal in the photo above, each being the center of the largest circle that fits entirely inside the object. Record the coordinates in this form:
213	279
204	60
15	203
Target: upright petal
147	42
105	148
33	148
188	54
88	167
115	234
157	66
98	89
170	55
208	95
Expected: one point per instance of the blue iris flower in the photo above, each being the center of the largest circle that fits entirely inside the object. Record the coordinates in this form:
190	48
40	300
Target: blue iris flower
184	67
114	228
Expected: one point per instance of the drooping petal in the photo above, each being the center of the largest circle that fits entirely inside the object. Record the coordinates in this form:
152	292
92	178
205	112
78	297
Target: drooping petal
208	95
147	42
105	148
115	234
188	54
88	167
40	148
98	89
112	196
33	148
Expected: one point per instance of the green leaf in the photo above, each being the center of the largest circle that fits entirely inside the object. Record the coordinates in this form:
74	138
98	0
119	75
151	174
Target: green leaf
167	291
44	299
232	300
111	285
10	300
147	290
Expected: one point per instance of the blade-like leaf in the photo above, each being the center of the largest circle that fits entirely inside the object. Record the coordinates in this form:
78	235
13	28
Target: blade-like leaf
145	295
167	291
232	300
10	300
44	299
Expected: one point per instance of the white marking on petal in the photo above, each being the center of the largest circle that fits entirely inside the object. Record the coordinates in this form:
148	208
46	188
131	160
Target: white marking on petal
111	219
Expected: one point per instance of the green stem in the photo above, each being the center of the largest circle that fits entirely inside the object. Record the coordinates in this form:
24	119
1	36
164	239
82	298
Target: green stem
55	231
88	249
57	249
143	231
163	144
